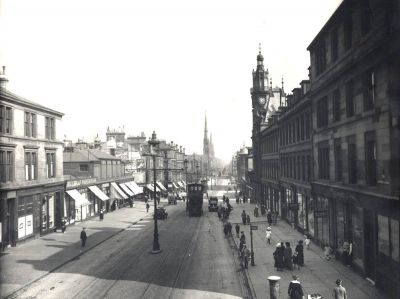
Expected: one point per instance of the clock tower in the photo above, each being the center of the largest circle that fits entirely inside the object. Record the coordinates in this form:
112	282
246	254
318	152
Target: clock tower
260	94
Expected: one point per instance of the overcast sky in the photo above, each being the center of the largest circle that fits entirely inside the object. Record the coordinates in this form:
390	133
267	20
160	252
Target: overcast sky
156	64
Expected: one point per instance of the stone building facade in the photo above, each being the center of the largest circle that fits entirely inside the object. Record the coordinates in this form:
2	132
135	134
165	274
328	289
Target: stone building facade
31	168
328	162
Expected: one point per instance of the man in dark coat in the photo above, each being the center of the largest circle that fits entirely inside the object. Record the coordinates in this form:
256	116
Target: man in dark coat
242	240
295	289
278	257
83	237
287	252
237	228
244	217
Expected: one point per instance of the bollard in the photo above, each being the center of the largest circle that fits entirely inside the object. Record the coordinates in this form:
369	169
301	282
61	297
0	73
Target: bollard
274	286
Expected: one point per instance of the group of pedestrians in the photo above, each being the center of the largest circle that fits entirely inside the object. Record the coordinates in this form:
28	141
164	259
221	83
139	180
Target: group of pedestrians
245	218
285	258
295	289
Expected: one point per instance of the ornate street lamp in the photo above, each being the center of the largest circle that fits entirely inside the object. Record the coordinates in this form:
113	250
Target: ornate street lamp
153	142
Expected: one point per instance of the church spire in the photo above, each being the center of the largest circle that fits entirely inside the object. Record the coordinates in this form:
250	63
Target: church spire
205	139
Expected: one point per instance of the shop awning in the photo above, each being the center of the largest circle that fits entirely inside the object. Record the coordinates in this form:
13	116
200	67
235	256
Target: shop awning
135	188
151	188
251	188
175	186
159	184
183	183
100	194
80	200
117	192
126	189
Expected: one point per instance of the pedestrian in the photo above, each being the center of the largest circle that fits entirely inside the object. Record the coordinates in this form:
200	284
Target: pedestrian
300	253
63	225
229	229
248	219
83	237
307	241
147	207
268	233
225	229
327	251
346	254
269	217
242	240
339	292
244	217
237	228
245	254
278	257
256	211
287	252
295	289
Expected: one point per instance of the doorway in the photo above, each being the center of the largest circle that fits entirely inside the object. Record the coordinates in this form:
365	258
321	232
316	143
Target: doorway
10	236
369	245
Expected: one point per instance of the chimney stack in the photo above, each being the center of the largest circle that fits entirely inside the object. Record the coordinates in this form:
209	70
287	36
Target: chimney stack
3	79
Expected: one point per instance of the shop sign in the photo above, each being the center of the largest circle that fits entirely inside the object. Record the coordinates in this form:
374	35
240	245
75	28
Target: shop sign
294	206
320	213
76	183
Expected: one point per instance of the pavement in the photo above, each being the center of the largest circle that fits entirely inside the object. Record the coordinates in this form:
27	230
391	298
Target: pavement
28	262
318	275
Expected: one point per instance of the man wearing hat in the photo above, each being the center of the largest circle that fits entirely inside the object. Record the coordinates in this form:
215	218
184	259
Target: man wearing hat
295	289
245	254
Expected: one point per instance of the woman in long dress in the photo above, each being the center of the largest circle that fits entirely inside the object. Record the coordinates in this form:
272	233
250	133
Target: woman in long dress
300	254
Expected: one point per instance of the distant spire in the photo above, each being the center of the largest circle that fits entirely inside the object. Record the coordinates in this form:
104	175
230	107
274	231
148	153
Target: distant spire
259	48
282	84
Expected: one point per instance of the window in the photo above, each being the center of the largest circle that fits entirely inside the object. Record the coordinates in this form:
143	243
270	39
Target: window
6	165
322	113
368	86
334	45
349	98
352	162
30	166
370	158
6	115
338	160
308	127
320	57
336	105
50	165
83	167
348	32
309	166
50	132
323	160
30	124
302	127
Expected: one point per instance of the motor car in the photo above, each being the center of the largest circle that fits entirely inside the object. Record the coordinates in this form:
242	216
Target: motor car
172	200
213	204
161	213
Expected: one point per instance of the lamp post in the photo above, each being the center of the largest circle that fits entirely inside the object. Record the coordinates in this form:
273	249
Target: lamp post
153	142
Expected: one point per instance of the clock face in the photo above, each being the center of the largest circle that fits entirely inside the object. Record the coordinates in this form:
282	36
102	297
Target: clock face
261	100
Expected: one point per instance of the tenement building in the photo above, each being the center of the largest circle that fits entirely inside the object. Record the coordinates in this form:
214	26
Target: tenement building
355	76
31	168
328	161
295	159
